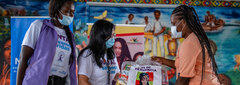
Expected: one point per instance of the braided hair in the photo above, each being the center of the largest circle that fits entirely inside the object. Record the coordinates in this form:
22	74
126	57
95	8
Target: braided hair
190	16
54	7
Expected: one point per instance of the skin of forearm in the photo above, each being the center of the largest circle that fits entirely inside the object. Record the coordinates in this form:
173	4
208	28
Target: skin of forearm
167	62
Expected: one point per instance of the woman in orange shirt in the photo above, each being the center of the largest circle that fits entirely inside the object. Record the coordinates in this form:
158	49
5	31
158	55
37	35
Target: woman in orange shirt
195	63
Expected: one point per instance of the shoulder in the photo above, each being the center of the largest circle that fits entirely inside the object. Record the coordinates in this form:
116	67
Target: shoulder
86	53
36	26
37	22
192	41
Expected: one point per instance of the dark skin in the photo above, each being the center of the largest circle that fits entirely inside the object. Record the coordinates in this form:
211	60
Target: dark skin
171	63
26	51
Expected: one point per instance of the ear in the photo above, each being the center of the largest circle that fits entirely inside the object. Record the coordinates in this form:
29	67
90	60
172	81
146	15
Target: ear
58	15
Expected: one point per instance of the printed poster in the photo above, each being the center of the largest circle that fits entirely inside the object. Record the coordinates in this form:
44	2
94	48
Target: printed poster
145	75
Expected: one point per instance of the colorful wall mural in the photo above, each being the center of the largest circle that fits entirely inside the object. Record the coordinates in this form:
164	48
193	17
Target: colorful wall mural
222	25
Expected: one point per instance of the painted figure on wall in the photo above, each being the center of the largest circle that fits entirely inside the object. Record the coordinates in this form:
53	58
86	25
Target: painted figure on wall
5	63
158	30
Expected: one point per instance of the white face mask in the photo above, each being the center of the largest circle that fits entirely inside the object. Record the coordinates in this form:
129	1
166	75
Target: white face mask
66	20
174	32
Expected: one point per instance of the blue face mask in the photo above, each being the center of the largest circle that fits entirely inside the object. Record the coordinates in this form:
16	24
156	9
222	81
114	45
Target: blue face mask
66	20
110	42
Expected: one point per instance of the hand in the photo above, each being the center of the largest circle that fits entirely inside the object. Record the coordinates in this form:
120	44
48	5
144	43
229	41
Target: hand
164	28
157	59
155	34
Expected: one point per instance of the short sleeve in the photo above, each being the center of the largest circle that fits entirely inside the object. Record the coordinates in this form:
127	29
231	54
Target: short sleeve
85	64
187	59
32	34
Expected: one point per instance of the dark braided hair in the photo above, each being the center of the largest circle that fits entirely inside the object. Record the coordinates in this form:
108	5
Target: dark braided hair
190	16
54	7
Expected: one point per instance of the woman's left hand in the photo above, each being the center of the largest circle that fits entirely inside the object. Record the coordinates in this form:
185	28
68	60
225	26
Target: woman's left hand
157	59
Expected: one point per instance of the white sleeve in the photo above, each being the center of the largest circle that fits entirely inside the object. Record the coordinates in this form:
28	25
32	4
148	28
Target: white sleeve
85	64
32	34
162	24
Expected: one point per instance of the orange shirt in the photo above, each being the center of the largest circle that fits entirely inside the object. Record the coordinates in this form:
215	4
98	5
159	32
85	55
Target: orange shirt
189	62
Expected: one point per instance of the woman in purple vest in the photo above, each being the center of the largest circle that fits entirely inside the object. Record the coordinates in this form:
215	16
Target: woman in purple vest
47	54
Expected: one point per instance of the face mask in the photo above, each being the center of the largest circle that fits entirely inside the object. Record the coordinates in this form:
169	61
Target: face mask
174	32
66	20
110	42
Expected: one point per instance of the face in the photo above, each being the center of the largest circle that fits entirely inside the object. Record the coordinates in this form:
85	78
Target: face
145	80
117	48
67	9
113	35
208	12
131	17
157	16
7	51
146	18
178	23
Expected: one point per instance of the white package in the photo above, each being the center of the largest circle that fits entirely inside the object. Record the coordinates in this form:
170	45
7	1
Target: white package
149	74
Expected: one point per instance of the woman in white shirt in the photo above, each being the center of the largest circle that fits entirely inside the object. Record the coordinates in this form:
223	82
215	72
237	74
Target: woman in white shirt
97	63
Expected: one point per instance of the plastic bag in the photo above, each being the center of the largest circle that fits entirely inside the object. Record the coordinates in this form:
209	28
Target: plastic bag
131	71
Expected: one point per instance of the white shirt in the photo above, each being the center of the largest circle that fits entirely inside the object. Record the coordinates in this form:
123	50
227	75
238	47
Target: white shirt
60	65
158	26
97	76
148	27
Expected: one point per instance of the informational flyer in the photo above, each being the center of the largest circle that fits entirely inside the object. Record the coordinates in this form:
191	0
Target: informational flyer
145	75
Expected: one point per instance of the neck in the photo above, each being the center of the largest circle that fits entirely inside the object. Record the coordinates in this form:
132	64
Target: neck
57	24
187	34
146	22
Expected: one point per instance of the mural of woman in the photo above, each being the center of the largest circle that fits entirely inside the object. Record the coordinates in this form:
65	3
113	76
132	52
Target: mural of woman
5	63
121	50
144	78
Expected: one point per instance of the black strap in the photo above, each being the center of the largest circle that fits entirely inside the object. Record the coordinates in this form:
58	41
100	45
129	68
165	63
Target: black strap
108	67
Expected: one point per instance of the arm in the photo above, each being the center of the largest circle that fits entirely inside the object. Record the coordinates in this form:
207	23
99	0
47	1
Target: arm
164	61
26	53
182	81
160	32
83	80
126	22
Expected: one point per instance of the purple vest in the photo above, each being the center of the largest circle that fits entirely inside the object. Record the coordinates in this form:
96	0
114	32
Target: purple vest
38	70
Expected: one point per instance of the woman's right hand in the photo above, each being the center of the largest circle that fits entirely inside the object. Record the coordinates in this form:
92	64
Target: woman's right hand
164	61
